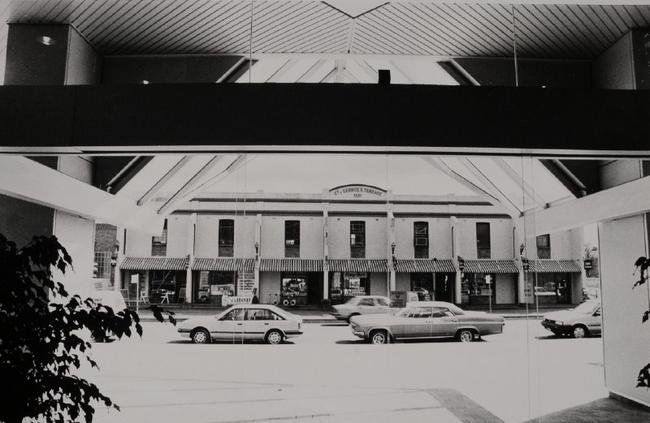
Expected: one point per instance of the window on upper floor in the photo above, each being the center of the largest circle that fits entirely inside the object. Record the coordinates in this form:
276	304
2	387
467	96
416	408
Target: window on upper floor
159	243
357	239
226	237
421	239
292	238
483	240
544	246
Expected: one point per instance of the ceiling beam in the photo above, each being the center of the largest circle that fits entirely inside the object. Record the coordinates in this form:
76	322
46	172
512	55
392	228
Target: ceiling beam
528	190
621	201
181	194
491	187
50	188
163	180
443	167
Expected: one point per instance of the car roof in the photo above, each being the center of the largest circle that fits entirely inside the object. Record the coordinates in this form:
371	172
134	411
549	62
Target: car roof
428	304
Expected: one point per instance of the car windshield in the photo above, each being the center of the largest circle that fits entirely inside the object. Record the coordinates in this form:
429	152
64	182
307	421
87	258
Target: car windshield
586	308
456	310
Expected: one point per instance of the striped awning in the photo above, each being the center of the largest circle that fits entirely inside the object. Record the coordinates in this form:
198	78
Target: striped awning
358	265
490	266
424	266
291	265
224	264
154	263
555	266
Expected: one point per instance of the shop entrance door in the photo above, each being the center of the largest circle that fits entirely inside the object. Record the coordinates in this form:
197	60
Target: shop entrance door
314	288
445	287
422	284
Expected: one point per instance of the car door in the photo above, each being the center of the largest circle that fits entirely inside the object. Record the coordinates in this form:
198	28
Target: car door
366	306
258	322
417	324
382	305
594	323
230	326
444	323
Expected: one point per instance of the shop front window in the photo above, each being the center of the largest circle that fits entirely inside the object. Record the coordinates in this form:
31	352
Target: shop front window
167	286
344	285
422	284
294	287
213	286
478	288
552	288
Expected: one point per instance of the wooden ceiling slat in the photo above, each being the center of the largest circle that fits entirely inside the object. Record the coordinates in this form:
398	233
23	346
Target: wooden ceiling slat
173	36
414	24
449	31
477	36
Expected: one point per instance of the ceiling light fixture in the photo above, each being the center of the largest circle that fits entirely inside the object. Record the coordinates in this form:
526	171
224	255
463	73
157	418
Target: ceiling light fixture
46	40
145	81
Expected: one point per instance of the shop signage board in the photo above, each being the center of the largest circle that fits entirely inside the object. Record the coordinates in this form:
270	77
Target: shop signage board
245	283
589	264
358	191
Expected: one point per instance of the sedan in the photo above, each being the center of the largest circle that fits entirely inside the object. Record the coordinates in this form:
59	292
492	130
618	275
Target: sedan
426	319
243	322
579	322
361	304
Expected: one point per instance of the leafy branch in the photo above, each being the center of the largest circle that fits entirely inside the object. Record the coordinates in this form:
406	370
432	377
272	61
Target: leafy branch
641	265
42	342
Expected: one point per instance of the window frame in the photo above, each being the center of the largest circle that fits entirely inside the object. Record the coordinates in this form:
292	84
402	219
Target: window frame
483	252
293	250
421	251
226	249
543	252
358	246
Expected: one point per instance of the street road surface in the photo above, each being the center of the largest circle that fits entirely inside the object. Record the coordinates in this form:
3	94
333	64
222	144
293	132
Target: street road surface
329	375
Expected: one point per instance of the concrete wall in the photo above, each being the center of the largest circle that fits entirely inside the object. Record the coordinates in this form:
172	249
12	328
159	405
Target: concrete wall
339	236
83	64
439	237
269	285
617	172
378	283
207	235
614	69
311	236
177	235
505	289
626	339
500	238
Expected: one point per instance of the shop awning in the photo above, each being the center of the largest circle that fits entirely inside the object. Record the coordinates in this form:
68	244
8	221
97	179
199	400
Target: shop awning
224	264
555	266
358	265
424	266
291	265
154	263
490	266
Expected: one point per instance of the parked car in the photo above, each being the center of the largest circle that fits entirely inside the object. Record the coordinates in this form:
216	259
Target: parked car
243	322
426	319
579	322
361	304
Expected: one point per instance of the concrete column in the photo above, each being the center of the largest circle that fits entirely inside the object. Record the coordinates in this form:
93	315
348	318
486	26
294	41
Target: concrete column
390	228
326	281
120	235
258	242
455	252
191	242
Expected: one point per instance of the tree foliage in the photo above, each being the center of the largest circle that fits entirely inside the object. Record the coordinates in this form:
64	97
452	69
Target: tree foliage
642	264
41	336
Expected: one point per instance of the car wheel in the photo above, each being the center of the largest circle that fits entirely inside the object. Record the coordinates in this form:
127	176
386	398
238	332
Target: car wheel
200	336
580	331
273	337
465	335
379	337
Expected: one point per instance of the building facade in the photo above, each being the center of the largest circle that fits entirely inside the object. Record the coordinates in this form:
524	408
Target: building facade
351	240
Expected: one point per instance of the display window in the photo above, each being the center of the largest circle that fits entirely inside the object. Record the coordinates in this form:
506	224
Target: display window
213	286
344	285
166	286
552	288
294	288
478	288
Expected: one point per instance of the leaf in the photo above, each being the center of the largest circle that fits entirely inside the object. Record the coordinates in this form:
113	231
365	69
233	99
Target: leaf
172	320
640	261
639	283
643	380
646	315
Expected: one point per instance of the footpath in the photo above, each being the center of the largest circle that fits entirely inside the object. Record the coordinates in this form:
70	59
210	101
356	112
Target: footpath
323	316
